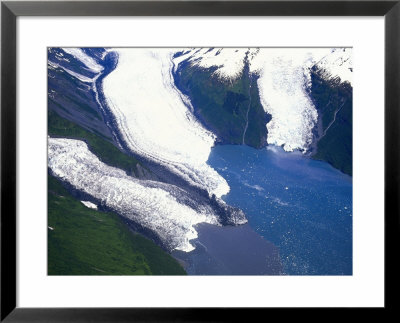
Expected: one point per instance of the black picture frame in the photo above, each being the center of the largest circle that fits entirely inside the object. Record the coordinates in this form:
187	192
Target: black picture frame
10	10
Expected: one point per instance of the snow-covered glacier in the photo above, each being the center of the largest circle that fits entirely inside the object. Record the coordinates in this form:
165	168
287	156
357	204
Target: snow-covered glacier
283	82
155	206
155	119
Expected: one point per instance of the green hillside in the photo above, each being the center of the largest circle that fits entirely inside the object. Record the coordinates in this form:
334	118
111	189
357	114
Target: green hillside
224	106
334	103
83	241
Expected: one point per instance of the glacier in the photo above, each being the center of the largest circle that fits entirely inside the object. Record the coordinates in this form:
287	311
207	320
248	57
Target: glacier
284	78
153	205
155	119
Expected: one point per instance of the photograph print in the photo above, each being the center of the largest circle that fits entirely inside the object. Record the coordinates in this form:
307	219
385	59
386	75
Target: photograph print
200	161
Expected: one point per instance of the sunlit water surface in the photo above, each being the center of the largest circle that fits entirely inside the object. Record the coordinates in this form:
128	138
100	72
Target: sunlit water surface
303	206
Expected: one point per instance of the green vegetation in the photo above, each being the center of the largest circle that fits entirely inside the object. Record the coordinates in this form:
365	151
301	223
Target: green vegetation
83	241
103	149
222	105
334	101
256	134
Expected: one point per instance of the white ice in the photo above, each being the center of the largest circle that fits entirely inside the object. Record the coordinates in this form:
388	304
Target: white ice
283	82
154	119
153	207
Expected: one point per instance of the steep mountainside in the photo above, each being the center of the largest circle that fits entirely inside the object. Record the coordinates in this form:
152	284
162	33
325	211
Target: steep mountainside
229	108
333	135
71	92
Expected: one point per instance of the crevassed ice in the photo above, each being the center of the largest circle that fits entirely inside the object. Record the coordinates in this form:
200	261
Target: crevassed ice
283	82
153	207
154	120
285	78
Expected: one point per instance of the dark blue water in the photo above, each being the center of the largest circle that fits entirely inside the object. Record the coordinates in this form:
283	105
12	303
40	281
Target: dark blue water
301	205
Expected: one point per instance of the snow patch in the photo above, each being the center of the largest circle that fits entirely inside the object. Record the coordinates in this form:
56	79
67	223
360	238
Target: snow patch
89	204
